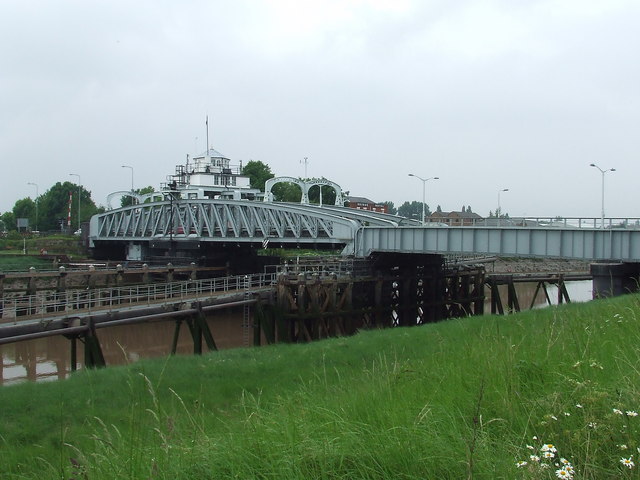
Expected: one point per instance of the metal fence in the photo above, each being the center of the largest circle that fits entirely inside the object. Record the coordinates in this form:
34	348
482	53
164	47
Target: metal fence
49	303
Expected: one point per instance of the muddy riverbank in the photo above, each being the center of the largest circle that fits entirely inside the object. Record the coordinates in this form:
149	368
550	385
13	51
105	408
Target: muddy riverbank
534	265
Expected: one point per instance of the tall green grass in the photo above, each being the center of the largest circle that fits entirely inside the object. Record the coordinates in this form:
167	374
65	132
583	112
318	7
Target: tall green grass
466	398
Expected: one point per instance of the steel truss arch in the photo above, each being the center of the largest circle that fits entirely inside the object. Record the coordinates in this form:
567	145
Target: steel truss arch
124	193
304	185
222	220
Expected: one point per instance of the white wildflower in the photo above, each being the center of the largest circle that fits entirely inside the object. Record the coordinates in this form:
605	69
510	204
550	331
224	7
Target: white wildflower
627	462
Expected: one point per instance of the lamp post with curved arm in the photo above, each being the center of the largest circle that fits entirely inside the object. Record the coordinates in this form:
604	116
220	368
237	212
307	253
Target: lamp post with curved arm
602	196
499	211
133	200
424	183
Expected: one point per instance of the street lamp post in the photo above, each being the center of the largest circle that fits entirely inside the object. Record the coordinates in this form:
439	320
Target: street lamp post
79	187
602	172
133	202
424	183
499	211
37	195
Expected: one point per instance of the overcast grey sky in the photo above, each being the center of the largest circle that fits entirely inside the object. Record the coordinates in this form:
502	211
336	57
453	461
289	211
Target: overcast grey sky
486	95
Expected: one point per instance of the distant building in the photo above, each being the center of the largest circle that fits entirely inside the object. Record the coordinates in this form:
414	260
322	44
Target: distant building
456	218
361	203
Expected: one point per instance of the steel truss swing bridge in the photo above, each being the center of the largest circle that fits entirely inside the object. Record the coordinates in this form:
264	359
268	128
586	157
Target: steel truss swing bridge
191	223
188	224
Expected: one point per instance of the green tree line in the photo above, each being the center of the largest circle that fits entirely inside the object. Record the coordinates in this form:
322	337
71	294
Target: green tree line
47	211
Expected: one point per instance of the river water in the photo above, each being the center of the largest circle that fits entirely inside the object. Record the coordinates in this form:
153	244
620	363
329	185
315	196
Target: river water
48	359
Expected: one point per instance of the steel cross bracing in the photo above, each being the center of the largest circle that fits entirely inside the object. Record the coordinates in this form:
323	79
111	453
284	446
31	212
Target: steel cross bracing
238	220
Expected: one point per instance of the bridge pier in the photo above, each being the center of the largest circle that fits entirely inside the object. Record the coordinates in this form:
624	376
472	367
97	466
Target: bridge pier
613	279
199	330
311	307
93	356
463	291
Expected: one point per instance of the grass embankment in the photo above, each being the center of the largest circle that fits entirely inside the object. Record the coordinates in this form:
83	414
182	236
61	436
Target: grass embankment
12	257
465	398
22	263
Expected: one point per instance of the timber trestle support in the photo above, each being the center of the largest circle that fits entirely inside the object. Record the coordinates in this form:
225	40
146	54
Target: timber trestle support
85	333
397	290
199	330
508	283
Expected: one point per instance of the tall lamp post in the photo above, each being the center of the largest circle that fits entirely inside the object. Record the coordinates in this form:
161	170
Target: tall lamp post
499	211
133	201
602	172
37	195
79	187
424	183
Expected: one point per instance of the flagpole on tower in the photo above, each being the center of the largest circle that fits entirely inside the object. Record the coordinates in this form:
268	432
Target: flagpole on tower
207	123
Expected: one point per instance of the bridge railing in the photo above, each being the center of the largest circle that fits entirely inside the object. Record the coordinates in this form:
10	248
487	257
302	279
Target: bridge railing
632	223
48	303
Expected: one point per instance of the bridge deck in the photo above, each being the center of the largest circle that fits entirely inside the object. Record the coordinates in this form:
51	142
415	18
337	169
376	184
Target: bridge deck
572	243
194	224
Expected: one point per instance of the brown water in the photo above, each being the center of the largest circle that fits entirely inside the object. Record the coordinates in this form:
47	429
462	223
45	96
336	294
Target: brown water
49	358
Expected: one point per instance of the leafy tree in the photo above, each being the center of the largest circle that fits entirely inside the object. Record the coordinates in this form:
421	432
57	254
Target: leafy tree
258	173
8	220
25	208
439	209
391	208
328	195
286	192
126	200
499	214
413	210
54	204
